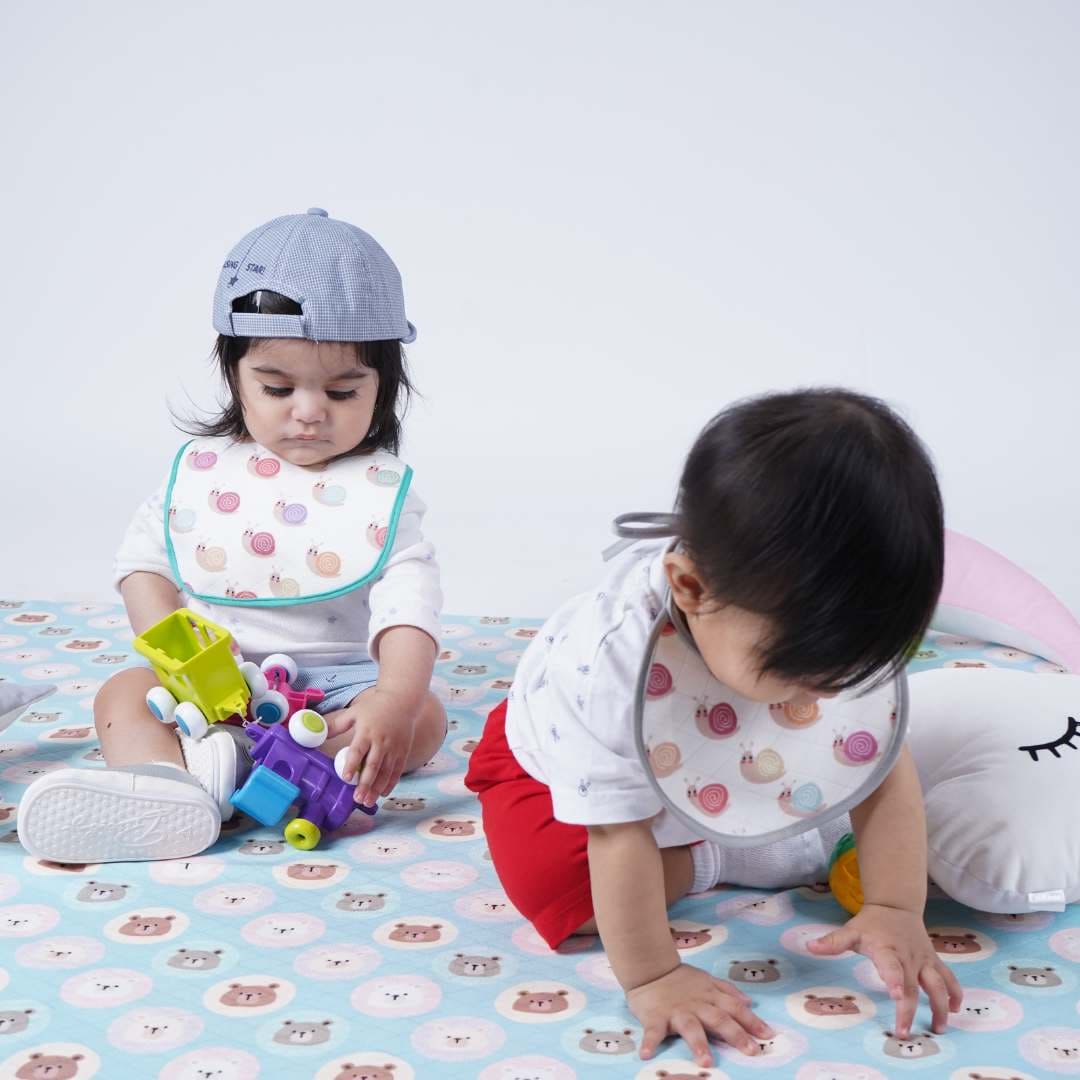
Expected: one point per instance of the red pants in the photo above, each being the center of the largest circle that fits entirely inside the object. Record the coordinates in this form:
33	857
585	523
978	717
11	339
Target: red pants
542	863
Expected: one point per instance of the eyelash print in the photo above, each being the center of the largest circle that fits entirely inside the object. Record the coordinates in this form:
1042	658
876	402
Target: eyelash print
1071	732
285	391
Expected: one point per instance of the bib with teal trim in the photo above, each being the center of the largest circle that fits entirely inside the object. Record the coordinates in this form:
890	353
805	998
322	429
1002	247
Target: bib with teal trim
243	526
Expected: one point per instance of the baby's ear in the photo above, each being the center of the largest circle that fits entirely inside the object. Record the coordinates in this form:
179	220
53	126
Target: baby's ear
687	588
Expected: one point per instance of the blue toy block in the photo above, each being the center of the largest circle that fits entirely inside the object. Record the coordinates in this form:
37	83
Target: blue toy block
265	796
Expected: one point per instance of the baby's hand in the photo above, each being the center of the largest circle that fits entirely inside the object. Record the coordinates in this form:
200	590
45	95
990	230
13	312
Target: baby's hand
691	1003
382	733
900	949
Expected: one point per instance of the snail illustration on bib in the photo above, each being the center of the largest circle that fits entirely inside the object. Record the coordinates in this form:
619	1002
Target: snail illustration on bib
264	466
290	513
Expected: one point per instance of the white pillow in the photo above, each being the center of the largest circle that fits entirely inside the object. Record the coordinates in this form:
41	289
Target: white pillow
1001	818
15	698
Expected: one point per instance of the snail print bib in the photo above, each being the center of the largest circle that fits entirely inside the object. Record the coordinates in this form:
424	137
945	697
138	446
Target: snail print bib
243	526
744	773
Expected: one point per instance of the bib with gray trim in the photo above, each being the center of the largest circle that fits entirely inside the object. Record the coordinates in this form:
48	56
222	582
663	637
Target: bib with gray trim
743	773
737	771
245	527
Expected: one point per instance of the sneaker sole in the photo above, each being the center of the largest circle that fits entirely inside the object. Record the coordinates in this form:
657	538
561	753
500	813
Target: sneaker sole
76	815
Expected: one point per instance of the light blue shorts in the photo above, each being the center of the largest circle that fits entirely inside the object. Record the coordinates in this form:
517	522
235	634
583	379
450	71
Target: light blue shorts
339	682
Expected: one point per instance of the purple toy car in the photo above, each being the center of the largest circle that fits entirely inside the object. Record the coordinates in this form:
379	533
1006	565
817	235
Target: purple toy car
289	769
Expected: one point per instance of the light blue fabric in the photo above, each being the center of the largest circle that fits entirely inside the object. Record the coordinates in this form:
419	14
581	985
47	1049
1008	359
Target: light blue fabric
313	932
339	682
346	284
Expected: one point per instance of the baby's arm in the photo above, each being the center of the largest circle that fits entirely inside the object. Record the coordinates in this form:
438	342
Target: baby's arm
666	995
148	598
385	720
890	830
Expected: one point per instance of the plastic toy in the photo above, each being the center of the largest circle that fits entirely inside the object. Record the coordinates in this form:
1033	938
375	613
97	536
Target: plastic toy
289	769
844	875
202	683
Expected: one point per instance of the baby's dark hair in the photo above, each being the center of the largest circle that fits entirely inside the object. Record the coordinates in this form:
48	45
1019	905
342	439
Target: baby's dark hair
819	510
385	357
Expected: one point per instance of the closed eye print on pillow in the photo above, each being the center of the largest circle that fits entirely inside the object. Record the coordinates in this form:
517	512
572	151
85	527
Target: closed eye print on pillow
1071	732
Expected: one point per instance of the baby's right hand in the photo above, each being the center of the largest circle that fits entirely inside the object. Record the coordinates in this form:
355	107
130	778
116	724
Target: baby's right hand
690	1002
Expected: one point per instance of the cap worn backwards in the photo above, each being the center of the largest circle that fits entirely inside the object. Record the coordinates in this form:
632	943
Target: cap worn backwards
347	287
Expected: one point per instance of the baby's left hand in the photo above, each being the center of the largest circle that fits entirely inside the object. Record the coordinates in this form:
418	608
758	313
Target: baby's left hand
900	949
382	732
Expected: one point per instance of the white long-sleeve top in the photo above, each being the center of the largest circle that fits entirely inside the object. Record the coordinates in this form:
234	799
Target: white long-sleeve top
342	630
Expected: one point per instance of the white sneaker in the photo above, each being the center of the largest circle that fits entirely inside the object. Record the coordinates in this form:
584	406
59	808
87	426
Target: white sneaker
217	764
141	812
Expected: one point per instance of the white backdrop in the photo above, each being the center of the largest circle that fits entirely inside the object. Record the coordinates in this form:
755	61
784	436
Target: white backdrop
611	218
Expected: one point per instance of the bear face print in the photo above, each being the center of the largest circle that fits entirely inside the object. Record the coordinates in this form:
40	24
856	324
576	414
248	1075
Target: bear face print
147	926
105	988
283	929
1036	977
453	828
212	1063
541	1002
40	1066
343	960
250	995
406	803
831	1006
14	1021
296	1033
312	871
753	971
101	892
475	966
396	996
349	1071
470	669
689	939
259	846
354	901
153	1030
914	1046
195	959
607	1042
412	933
952	944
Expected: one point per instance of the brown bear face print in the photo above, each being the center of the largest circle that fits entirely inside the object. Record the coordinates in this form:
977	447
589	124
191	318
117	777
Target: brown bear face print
531	1001
443	827
250	995
831	1006
349	1071
955	944
147	925
311	871
416	932
689	939
49	1067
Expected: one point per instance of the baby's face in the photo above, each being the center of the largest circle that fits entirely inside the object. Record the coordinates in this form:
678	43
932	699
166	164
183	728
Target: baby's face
307	402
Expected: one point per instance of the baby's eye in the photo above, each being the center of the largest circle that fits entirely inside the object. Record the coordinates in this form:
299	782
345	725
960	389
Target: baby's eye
276	391
340	395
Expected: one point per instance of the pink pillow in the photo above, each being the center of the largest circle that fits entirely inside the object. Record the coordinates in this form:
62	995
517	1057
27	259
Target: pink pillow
988	598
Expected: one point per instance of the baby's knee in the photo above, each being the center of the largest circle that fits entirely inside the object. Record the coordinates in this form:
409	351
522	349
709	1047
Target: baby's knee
120	692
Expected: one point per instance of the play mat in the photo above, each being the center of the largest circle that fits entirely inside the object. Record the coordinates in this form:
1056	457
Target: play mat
390	952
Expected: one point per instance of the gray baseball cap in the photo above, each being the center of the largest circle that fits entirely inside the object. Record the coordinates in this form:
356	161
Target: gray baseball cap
348	287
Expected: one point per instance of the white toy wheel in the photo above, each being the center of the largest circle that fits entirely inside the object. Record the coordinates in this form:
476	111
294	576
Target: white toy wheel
254	678
190	720
308	728
161	703
279	659
271	708
339	766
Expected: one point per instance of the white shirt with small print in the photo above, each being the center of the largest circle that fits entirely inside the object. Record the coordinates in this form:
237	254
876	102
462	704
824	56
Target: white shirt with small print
343	630
570	714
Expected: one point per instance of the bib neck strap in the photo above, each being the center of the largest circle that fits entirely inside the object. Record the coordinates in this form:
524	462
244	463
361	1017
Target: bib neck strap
638	525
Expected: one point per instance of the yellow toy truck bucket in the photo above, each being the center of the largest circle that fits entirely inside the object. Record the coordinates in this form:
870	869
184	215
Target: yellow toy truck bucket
193	658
